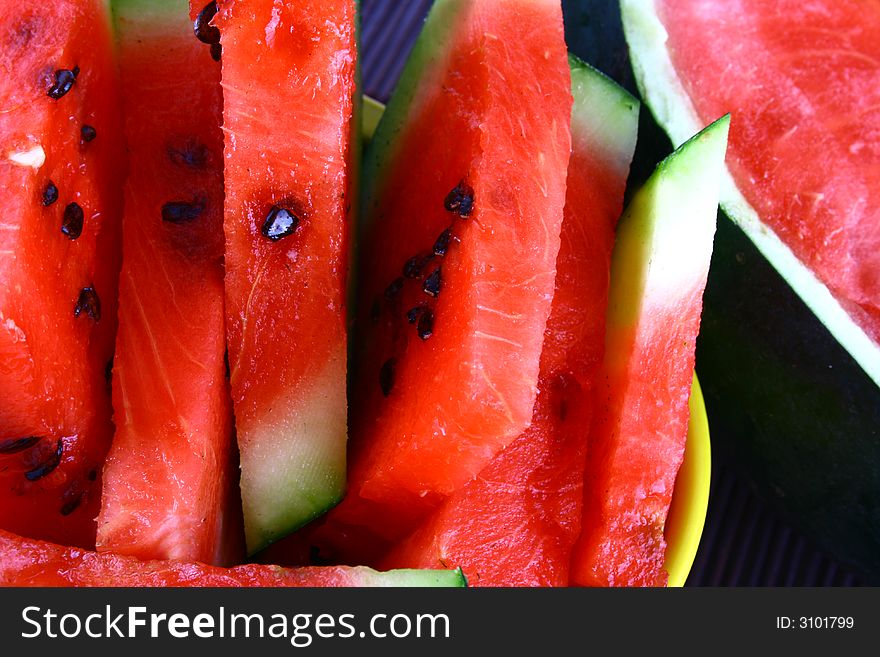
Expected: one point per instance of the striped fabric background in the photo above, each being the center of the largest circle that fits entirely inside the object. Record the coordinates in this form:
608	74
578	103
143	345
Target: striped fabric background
744	543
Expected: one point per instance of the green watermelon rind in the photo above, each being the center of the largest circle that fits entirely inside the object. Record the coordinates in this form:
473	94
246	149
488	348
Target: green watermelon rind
676	207
664	93
416	578
596	95
287	483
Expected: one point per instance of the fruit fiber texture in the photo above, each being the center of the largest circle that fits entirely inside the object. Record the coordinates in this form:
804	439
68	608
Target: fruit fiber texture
25	562
61	172
516	522
288	92
449	334
169	476
805	141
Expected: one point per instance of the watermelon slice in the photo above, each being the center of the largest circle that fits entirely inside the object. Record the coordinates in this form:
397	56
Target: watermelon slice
289	86
658	274
61	169
516	523
25	562
801	82
167	477
465	182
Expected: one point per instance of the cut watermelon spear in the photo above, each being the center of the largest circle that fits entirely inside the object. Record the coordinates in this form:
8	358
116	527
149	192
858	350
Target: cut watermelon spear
61	172
516	523
169	474
658	274
793	397
25	562
288	93
465	182
801	82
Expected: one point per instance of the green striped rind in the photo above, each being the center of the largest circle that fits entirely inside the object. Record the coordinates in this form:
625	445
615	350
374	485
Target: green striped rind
661	87
415	578
430	52
604	116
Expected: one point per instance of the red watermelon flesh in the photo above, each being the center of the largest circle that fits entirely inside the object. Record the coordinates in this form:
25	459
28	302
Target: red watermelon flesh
515	524
168	476
805	139
447	363
25	562
658	273
61	166
289	86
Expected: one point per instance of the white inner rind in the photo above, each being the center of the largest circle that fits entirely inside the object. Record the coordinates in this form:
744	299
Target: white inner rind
595	95
294	467
412	578
671	106
664	239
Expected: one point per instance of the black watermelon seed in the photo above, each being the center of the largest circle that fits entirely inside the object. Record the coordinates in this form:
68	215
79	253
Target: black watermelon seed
64	79
88	133
414	266
279	223
393	288
50	194
441	246
386	376
92	475
71	505
426	325
460	200
88	303
412	315
47	466
72	221
216	51
227	370
180	212
466	206
15	445
205	32
433	283
108	371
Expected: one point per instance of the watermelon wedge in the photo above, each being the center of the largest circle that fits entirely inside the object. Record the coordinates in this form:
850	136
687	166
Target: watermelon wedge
25	562
169	474
288	91
658	274
801	82
516	523
463	210
61	169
